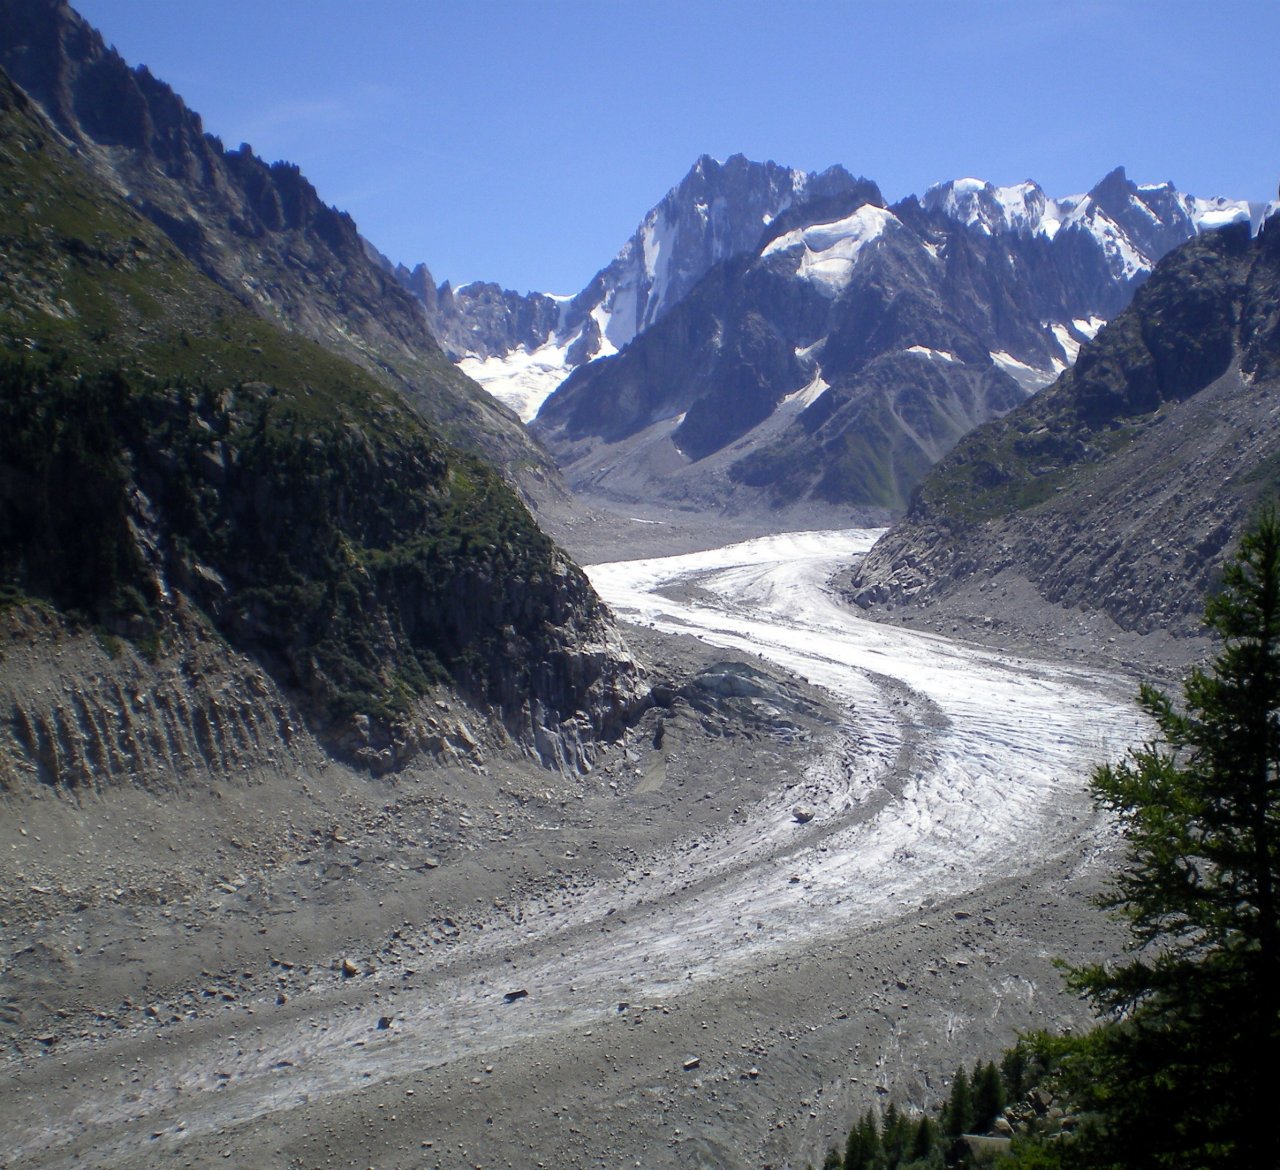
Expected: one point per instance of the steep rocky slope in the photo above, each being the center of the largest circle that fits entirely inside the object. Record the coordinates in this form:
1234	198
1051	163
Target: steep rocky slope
259	230
1122	487
521	346
848	350
187	483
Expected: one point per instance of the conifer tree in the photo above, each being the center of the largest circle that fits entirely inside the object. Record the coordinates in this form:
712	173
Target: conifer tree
988	1096
895	1136
1181	1080
1013	1070
862	1151
959	1105
924	1139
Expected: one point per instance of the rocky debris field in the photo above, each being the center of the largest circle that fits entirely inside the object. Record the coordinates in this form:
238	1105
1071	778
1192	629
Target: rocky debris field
1005	611
662	962
273	855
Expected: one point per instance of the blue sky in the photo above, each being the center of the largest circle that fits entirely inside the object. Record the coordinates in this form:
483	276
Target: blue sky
522	140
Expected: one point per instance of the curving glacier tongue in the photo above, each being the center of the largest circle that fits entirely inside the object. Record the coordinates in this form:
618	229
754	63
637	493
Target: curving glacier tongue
957	771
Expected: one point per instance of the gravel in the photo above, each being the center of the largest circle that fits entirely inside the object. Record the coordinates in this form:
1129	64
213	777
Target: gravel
315	968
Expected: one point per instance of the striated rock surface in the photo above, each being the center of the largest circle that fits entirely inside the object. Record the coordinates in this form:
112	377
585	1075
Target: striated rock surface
84	711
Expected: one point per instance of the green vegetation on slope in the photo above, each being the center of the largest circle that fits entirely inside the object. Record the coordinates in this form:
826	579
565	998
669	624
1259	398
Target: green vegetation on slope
259	231
155	435
1196	1006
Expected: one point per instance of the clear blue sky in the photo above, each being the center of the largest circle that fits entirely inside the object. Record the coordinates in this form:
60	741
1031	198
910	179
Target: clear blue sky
522	140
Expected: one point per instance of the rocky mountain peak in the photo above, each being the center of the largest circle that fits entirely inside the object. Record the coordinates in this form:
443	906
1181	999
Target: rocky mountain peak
717	211
124	116
258	229
1113	190
977	203
91	93
1153	218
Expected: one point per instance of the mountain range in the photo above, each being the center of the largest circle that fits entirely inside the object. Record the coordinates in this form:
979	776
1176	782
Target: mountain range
769	337
1122	488
766	338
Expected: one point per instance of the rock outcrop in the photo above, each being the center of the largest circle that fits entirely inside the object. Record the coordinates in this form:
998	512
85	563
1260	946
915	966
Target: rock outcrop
1123	487
175	470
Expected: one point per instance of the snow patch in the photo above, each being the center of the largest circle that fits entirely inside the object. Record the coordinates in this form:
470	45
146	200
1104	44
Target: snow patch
658	246
936	355
1027	376
828	252
606	318
806	396
1143	209
521	379
1058	213
1070	337
1070	344
1208	214
1022	207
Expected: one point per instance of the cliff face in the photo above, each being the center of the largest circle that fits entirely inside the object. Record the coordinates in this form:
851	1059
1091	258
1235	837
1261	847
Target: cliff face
175	470
1123	486
261	231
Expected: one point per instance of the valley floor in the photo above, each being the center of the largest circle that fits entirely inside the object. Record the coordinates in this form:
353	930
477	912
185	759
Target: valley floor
832	870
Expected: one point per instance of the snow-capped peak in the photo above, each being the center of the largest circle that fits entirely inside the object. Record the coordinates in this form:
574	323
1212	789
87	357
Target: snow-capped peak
1208	214
1021	208
827	252
1133	224
818	228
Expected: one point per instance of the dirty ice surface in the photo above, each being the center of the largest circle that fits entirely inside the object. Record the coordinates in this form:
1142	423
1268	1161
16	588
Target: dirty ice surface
957	767
998	779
